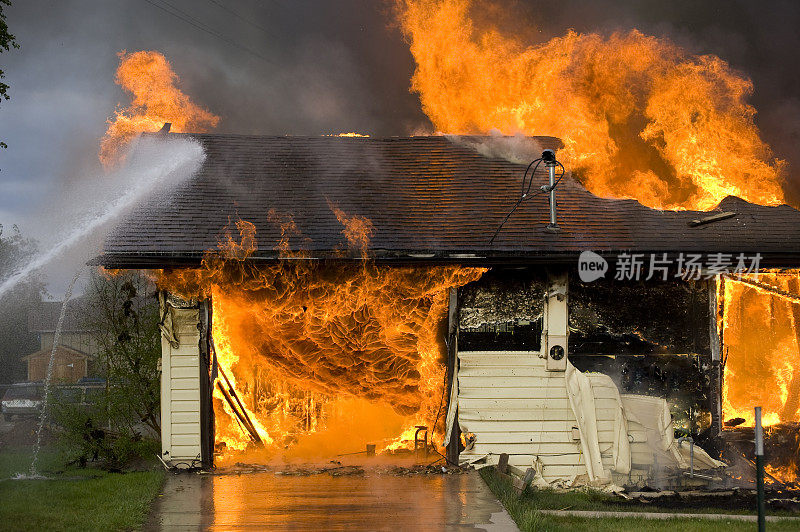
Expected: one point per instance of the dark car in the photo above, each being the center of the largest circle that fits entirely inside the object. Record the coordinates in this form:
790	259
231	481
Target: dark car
23	399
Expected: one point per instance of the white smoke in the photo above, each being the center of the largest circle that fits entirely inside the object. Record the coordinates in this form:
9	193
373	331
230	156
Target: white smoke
519	149
154	165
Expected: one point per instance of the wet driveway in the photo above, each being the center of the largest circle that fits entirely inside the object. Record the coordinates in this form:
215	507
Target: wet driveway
376	501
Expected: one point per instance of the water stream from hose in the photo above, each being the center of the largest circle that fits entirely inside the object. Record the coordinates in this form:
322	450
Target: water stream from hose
33	473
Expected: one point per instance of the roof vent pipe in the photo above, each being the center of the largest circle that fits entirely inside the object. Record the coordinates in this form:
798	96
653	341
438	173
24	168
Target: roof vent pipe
549	159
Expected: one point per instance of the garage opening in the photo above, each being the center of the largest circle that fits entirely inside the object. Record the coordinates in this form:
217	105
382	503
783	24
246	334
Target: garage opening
328	361
317	360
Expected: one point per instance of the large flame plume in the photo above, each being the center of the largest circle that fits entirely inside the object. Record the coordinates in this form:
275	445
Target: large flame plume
639	116
327	359
149	77
761	349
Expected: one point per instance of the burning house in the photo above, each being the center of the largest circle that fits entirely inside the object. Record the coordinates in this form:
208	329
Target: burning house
326	295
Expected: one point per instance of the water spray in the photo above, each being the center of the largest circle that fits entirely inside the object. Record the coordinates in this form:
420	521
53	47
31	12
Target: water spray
177	165
48	377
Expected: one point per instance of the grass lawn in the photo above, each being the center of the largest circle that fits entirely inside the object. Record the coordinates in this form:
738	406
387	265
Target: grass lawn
525	511
73	499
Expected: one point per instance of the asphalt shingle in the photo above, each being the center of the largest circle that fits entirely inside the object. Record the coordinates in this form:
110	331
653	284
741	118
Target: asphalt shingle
423	195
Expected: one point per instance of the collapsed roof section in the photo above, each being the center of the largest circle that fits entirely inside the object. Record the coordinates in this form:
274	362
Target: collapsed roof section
430	199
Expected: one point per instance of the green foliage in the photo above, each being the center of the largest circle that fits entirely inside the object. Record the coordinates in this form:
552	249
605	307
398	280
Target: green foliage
125	316
85	440
15	339
7	41
120	422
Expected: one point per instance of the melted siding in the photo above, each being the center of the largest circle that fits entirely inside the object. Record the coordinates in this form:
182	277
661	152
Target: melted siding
514	406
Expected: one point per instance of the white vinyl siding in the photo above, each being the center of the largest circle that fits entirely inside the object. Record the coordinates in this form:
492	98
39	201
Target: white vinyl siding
514	406
180	389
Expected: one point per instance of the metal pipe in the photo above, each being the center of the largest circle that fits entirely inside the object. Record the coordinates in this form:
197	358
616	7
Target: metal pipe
551	170
759	441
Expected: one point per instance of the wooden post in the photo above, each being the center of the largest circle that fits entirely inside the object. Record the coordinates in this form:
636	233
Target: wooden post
206	388
502	463
452	374
715	376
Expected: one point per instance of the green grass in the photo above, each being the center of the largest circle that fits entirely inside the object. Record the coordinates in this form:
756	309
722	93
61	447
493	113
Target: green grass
525	512
73	498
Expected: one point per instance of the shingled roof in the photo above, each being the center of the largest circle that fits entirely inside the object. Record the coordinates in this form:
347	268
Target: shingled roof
428	198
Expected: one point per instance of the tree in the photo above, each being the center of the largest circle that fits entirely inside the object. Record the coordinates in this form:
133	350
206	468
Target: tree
118	425
7	41
16	340
124	314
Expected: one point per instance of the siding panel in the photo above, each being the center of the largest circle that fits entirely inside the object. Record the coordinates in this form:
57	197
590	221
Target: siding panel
180	389
513	405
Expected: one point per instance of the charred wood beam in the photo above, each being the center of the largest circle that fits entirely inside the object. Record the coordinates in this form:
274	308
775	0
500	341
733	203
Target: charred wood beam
452	451
715	371
206	388
774	290
233	400
239	417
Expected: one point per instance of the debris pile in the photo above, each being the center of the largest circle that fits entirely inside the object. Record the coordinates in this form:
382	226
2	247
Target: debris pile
337	469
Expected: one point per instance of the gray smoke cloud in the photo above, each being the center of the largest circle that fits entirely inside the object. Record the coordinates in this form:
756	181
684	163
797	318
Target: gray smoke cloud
327	67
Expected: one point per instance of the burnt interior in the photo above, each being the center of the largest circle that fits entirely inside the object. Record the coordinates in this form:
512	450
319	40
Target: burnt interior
651	338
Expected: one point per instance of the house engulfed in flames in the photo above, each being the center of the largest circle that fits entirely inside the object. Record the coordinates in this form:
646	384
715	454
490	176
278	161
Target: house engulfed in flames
325	295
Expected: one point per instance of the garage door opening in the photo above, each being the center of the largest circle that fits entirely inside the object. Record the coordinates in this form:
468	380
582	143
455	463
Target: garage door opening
317	362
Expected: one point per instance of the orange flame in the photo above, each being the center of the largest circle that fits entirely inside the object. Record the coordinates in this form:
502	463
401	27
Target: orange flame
761	340
156	100
326	359
639	116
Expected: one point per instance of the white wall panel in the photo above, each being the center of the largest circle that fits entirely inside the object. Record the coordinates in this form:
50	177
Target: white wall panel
180	389
513	405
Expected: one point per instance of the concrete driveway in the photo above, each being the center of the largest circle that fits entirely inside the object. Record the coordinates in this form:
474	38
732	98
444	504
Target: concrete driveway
373	501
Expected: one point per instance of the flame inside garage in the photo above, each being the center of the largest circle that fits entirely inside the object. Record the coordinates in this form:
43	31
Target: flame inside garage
317	361
330	360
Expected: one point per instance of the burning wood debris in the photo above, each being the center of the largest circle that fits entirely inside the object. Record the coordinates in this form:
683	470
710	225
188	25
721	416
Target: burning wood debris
336	469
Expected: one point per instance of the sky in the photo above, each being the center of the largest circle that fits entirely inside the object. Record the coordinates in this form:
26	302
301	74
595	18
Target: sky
306	67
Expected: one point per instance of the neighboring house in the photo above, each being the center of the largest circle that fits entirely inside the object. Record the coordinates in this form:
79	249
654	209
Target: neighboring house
76	344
